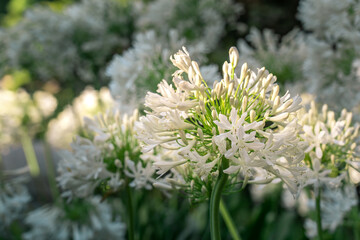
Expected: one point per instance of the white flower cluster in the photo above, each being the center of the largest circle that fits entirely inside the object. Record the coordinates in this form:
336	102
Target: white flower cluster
335	204
21	112
241	125
333	50
14	198
62	129
140	68
330	19
332	147
106	157
201	23
67	46
281	58
323	60
82	220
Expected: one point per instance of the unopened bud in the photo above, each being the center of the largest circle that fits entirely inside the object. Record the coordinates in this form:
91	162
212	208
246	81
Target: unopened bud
275	92
183	137
252	115
201	134
234	56
244	104
244	68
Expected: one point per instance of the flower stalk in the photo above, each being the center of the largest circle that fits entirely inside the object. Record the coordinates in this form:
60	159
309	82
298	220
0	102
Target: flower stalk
318	216
30	154
215	200
228	221
130	213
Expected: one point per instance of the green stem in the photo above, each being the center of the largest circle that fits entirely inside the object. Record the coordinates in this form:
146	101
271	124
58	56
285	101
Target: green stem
318	216
228	221
1	171
215	201
356	228
130	214
51	171
30	154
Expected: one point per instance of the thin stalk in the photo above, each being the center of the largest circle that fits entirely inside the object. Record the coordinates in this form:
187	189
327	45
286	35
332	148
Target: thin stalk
228	221
30	154
130	214
318	216
215	201
50	171
356	228
1	171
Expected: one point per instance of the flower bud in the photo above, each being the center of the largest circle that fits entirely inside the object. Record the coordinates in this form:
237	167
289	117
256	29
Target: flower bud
234	56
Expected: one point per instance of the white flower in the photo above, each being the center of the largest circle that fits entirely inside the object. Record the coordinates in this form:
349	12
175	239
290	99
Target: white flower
81	44
238	135
335	204
290	52
14	198
98	221
332	145
62	130
230	122
143	176
202	22
103	157
139	69
21	113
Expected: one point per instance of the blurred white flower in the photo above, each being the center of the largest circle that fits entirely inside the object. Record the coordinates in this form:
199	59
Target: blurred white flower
201	23
81	44
79	220
14	198
283	58
106	158
332	51
143	66
335	204
332	146
62	130
21	113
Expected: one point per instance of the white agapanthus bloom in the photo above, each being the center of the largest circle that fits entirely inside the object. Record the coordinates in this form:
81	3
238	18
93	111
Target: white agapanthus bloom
62	129
331	19
79	220
81	44
14	198
335	204
141	68
202	23
332	145
237	126
283	58
106	157
22	113
332	51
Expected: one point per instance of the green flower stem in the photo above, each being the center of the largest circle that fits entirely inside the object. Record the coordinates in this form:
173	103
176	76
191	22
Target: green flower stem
30	154
215	201
1	171
356	228
228	221
50	171
130	214
318	217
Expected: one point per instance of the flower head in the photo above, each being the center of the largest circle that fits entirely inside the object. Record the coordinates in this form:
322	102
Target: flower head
237	120
106	157
332	146
80	219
